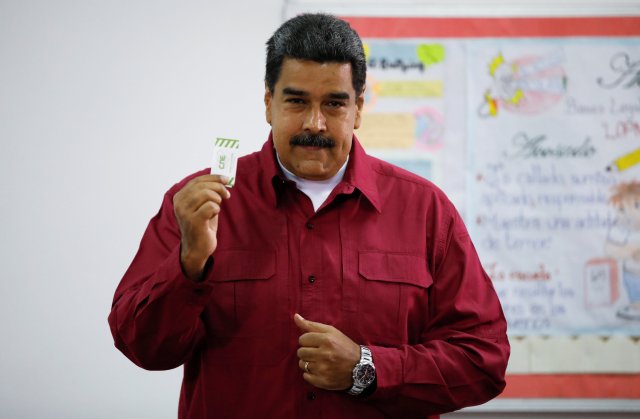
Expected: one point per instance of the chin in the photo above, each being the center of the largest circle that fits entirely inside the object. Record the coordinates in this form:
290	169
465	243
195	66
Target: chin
314	174
311	169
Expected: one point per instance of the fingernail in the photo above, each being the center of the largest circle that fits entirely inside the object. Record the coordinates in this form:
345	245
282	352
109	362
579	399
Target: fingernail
224	179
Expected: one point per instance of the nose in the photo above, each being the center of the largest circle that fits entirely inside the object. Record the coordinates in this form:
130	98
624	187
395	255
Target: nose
315	121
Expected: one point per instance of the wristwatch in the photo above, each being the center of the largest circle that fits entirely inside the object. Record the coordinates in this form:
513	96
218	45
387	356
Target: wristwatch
363	373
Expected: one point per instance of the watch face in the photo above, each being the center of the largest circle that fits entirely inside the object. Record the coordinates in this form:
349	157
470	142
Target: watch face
365	375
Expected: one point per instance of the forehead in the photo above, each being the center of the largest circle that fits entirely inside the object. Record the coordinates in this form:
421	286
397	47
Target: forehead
312	76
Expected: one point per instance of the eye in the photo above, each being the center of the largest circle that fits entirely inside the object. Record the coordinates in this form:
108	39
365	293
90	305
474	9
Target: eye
295	101
335	104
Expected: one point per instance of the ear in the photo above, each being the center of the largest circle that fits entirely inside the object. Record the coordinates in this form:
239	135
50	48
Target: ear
267	103
359	105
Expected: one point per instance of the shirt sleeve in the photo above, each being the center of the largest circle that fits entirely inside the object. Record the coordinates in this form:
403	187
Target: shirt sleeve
463	351
155	316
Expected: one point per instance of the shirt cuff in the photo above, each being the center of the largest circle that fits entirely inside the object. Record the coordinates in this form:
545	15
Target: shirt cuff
389	371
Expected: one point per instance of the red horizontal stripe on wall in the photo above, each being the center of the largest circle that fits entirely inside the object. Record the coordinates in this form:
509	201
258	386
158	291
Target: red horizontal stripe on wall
424	27
572	386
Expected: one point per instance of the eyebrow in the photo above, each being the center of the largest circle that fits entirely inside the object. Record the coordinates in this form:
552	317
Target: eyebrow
295	92
339	95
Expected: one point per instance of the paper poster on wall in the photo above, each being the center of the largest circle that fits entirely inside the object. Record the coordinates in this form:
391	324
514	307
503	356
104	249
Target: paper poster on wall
412	84
554	186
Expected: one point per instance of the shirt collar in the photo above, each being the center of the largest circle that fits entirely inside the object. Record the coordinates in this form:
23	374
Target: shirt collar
359	173
273	178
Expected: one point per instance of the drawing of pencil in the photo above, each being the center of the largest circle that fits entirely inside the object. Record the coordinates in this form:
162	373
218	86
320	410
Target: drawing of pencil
625	162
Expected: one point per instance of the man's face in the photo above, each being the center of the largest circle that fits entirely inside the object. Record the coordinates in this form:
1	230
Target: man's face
313	111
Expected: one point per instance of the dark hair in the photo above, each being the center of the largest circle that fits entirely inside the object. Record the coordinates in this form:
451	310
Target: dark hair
317	37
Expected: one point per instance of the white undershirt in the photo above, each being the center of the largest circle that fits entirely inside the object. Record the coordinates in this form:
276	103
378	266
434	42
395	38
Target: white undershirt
317	190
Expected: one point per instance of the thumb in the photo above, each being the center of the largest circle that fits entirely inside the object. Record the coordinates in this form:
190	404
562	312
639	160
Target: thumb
309	326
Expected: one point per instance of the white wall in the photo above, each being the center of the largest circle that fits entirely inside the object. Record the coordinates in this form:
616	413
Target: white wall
103	106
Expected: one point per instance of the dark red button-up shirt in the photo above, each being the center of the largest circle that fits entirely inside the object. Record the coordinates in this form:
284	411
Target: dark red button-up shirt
386	260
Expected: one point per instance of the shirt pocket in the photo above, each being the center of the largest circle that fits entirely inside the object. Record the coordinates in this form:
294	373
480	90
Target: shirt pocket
247	307
393	303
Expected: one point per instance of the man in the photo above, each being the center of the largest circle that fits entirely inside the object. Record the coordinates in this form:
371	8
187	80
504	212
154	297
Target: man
327	283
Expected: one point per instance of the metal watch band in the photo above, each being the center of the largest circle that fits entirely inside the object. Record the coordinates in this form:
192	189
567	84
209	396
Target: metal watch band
365	359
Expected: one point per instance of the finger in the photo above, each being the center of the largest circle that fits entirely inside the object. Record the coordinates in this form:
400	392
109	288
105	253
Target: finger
207	210
312	339
221	179
213	186
306	366
188	200
216	193
196	200
210	178
308	354
218	187
309	326
215	182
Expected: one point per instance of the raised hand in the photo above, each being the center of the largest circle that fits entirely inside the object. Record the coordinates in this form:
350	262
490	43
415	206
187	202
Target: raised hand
196	207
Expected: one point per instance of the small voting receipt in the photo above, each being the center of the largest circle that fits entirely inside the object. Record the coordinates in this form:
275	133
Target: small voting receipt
225	158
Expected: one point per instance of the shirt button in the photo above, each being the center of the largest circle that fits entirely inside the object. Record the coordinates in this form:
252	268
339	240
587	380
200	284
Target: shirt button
310	226
311	395
312	279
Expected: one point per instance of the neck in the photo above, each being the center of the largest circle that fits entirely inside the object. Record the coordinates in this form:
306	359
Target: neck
317	190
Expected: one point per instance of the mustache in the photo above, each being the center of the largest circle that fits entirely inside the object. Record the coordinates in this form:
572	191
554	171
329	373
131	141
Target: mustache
312	140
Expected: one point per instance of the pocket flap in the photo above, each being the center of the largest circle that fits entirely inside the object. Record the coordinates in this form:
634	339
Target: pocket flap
394	267
243	265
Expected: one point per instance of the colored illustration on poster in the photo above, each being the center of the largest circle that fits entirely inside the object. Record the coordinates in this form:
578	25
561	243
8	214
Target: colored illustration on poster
554	203
404	103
